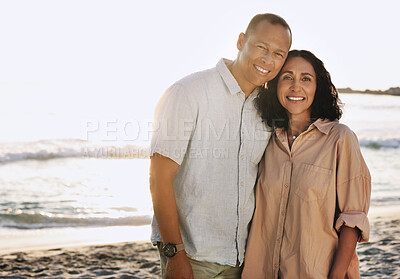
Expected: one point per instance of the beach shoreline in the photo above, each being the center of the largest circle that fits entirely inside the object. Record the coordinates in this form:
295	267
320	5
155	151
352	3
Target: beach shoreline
379	258
16	240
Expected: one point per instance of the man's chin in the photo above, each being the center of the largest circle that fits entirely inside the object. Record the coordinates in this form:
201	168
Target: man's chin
262	83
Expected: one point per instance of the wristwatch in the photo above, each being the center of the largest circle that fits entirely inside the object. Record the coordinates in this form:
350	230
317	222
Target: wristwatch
170	249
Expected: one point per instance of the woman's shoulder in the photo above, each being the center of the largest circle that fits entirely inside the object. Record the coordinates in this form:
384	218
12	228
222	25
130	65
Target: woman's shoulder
330	127
341	128
335	129
343	132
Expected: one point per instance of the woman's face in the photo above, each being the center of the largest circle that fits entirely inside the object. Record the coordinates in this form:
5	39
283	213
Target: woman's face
296	87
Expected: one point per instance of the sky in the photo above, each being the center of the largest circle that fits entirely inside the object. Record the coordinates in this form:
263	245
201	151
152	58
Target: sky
99	59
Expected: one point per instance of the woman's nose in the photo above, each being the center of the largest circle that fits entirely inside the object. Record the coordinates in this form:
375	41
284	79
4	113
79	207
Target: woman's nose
295	85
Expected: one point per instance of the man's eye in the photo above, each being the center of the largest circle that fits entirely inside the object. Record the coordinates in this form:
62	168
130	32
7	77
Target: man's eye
261	47
279	54
306	79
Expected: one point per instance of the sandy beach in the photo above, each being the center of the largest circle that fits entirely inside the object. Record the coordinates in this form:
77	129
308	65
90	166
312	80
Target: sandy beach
379	258
122	260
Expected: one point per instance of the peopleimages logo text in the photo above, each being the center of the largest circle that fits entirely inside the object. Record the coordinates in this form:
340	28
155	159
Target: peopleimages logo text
183	129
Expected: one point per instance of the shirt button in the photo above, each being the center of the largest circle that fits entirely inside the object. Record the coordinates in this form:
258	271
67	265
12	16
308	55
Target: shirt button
286	185
242	157
282	213
275	266
278	239
241	183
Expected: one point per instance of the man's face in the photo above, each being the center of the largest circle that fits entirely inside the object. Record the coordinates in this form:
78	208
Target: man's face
261	54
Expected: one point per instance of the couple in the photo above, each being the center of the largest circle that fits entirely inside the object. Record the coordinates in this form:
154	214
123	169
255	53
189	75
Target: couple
312	187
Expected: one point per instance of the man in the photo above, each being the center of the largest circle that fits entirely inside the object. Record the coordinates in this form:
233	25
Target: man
208	140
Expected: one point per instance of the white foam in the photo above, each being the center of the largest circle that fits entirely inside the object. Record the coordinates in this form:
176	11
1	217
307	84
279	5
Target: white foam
380	142
67	148
39	221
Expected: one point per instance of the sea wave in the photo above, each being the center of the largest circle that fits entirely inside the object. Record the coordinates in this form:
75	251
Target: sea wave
380	143
386	201
67	148
39	221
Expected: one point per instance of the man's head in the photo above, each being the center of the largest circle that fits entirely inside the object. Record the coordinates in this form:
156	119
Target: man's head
262	51
271	18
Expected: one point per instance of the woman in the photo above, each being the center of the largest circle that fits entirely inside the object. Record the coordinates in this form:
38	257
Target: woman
313	191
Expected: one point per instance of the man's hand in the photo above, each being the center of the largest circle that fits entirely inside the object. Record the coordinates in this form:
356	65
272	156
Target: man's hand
178	267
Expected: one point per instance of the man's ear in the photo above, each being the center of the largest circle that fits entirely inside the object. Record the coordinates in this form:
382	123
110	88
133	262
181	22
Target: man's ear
240	41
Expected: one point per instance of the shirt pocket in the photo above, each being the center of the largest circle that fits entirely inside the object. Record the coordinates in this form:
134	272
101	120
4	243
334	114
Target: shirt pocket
260	141
311	182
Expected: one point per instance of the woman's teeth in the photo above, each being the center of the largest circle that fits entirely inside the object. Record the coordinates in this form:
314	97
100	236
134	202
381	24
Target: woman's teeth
295	98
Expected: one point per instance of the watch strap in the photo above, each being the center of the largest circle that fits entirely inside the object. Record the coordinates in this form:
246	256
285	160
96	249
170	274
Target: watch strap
179	247
171	249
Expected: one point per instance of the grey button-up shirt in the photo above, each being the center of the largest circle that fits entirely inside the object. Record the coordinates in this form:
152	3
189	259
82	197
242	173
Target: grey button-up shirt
204	123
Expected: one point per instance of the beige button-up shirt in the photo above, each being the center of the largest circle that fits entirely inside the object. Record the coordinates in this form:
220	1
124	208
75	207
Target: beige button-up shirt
207	126
303	197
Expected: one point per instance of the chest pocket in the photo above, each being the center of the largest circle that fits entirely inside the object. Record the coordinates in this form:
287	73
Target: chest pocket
311	182
260	141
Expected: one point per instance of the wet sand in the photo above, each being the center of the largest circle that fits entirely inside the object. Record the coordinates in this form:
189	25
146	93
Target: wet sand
380	257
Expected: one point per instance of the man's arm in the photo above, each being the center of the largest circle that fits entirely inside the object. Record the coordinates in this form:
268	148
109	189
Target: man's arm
162	173
347	244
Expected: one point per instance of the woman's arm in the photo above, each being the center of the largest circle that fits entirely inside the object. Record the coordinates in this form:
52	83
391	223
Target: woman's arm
347	247
353	191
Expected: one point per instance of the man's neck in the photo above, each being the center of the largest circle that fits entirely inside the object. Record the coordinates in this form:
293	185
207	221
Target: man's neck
235	71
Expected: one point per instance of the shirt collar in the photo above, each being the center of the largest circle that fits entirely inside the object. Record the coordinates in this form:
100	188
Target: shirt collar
324	125
227	76
230	80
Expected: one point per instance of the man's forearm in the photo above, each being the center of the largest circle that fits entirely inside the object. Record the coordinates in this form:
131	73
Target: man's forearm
166	214
162	173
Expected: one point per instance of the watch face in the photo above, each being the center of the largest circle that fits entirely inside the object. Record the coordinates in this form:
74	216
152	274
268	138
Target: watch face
169	250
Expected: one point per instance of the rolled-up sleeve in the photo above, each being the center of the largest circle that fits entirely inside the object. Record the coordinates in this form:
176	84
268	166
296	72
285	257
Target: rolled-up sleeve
353	186
173	125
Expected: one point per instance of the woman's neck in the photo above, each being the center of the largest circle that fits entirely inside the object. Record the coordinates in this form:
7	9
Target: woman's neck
298	124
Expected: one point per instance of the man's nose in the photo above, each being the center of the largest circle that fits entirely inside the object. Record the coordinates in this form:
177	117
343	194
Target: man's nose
267	58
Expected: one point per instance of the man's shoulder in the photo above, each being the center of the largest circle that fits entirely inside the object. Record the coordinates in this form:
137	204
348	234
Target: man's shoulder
199	78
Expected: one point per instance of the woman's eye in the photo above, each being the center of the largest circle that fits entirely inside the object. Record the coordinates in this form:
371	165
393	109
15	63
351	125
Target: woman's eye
287	78
306	79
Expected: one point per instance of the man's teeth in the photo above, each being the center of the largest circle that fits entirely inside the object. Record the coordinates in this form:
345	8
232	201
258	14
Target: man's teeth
262	70
295	98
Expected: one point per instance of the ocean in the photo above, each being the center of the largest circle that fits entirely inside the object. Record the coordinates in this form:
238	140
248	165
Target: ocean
59	188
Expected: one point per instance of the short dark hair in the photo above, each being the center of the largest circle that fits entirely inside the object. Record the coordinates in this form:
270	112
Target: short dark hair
326	104
271	18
